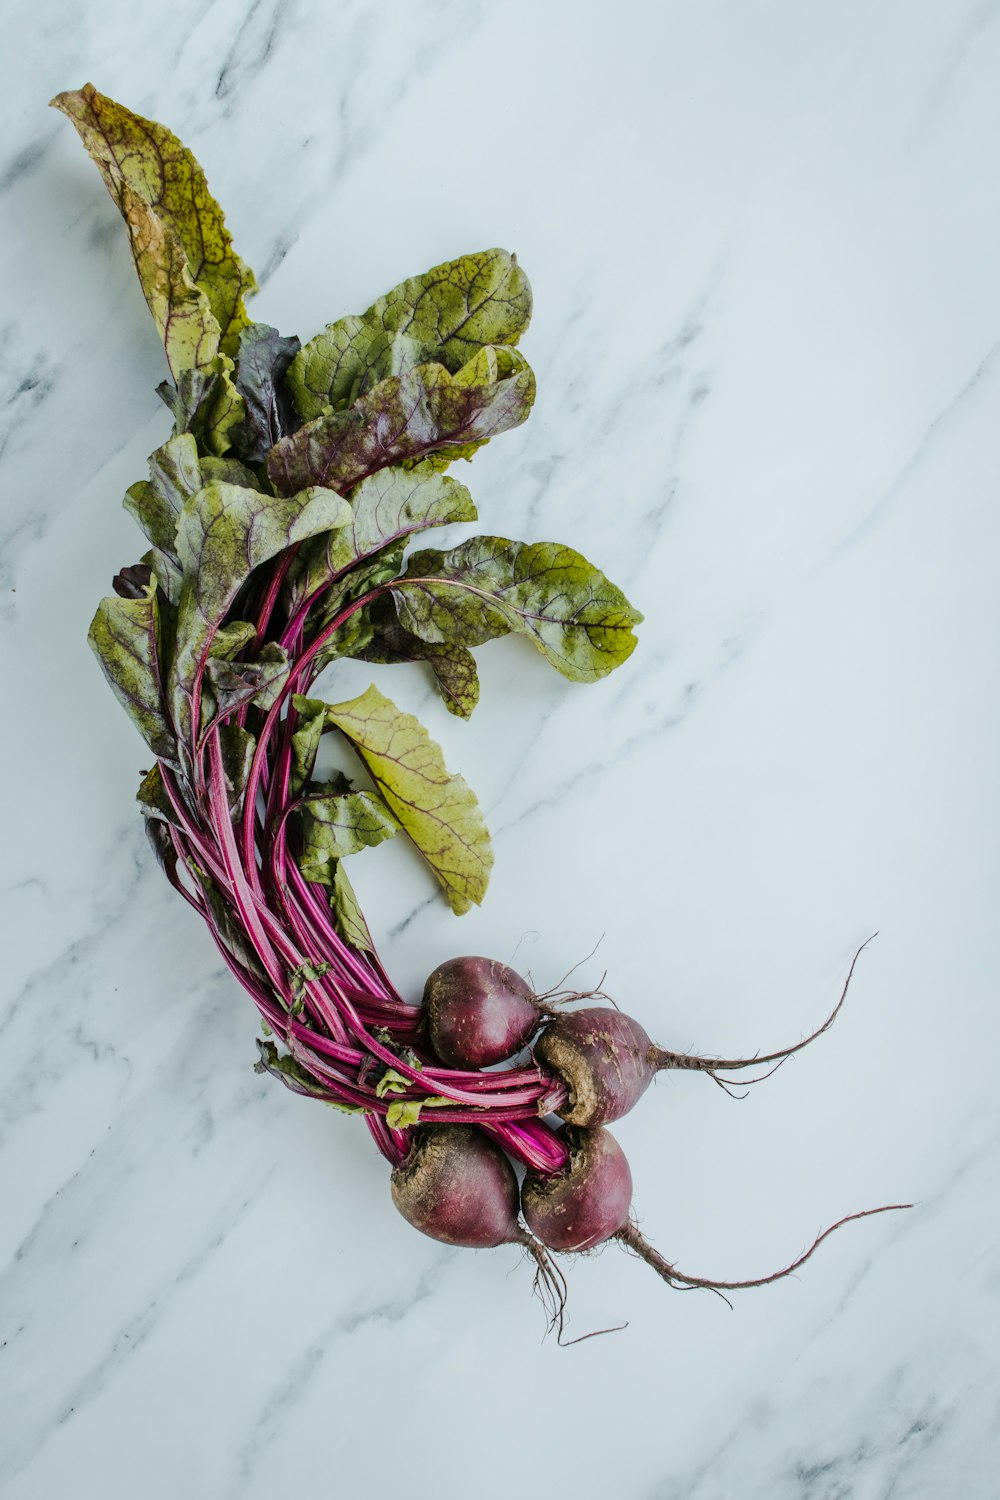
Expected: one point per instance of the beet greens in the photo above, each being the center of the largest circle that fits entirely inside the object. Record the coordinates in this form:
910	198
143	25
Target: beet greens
278	515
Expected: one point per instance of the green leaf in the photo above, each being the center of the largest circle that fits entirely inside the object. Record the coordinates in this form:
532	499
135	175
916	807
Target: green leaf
236	683
295	1077
403	1113
168	572
305	740
154	799
454	667
445	315
230	639
407	417
237	748
175	473
205	402
387	508
488	586
225	532
124	635
156	502
193	280
348	917
304	975
334	826
391	1082
438	811
264	358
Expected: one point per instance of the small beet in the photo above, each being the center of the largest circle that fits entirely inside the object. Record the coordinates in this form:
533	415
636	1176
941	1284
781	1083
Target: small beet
479	1012
605	1059
586	1203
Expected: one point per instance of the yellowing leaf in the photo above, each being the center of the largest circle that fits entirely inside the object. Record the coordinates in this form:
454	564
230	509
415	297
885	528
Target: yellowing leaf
438	811
192	278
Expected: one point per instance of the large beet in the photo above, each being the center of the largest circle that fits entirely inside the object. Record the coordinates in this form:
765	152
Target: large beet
604	1057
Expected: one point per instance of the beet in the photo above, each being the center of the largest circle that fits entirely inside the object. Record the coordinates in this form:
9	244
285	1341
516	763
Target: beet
608	1061
586	1203
603	1057
479	1012
456	1186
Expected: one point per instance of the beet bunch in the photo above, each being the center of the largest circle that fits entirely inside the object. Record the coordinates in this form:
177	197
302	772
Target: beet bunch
278	516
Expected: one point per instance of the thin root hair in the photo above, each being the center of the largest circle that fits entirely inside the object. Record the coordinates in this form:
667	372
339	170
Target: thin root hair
549	1284
559	988
633	1239
714	1065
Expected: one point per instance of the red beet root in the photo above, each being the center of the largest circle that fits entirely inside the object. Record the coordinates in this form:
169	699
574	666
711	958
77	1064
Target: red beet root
585	1204
457	1186
607	1060
604	1058
479	1012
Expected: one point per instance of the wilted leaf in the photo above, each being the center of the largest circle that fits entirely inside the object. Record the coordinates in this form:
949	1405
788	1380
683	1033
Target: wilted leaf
294	1076
391	1082
304	975
305	741
348	917
237	748
192	278
154	799
205	402
402	1113
438	811
236	683
454	667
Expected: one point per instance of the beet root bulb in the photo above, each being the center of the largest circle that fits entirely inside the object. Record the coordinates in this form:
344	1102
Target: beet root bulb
457	1186
585	1204
605	1059
479	1012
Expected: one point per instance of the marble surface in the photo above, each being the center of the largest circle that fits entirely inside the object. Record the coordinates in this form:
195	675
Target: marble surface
764	241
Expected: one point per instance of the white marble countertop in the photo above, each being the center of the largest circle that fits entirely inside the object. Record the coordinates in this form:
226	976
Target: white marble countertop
764	243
